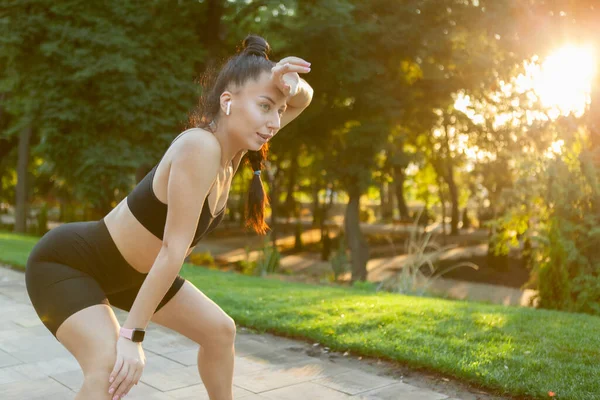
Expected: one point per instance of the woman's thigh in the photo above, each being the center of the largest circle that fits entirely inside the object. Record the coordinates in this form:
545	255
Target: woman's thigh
191	313
91	336
58	291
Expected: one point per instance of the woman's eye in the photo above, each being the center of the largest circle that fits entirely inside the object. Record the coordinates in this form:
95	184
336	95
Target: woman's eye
281	112
265	107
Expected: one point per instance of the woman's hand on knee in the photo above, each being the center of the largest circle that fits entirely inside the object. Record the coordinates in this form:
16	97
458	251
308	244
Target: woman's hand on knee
128	368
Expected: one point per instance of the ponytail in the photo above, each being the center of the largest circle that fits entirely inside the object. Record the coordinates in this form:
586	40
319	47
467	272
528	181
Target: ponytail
257	198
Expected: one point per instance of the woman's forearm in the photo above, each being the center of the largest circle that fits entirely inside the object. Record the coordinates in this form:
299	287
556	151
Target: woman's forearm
303	96
155	286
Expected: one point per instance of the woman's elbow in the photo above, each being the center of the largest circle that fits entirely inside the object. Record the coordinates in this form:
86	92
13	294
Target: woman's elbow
172	254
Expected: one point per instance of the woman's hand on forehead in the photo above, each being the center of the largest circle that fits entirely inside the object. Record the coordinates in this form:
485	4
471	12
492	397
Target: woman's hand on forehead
294	60
285	74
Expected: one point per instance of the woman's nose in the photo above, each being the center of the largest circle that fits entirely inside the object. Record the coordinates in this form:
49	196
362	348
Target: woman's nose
274	124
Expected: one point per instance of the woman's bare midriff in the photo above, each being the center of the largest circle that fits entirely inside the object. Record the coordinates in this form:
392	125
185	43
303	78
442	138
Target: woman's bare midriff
138	246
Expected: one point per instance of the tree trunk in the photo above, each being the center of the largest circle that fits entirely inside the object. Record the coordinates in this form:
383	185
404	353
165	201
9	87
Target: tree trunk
383	204
391	193
324	211
290	201
449	177
274	197
22	198
399	179
443	202
316	206
447	170
359	248
211	32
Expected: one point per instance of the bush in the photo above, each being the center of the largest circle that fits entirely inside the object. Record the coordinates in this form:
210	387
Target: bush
268	261
247	267
557	208
366	214
339	259
497	255
202	259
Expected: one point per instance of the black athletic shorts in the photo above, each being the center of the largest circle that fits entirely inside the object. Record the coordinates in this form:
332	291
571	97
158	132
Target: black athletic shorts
78	265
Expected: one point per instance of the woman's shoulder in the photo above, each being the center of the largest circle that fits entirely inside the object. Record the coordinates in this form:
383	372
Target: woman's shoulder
193	143
195	135
196	140
197	143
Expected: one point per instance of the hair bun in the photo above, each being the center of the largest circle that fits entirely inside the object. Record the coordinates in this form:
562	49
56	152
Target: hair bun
256	45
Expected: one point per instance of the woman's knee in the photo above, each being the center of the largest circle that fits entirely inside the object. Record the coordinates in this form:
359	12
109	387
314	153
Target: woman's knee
96	381
222	331
96	374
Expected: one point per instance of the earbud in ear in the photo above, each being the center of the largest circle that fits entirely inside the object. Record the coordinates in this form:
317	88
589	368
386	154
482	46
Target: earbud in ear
228	108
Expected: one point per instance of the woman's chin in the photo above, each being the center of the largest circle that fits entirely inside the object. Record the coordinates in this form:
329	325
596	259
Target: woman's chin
256	146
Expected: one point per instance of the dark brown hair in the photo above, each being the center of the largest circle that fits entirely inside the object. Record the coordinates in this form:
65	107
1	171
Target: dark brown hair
250	62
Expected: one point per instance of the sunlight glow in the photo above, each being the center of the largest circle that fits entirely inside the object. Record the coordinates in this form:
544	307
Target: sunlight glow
564	81
561	82
555	149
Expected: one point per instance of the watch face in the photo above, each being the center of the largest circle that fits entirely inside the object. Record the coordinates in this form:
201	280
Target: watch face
137	336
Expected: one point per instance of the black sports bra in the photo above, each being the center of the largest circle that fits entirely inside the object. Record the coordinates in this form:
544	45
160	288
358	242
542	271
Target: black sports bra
152	213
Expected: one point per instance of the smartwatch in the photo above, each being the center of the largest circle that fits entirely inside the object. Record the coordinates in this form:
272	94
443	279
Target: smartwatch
135	335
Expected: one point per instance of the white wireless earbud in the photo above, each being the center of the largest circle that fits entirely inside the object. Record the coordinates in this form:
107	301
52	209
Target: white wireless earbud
228	108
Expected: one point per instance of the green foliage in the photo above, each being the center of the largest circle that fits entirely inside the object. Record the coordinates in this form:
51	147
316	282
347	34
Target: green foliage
248	266
267	262
366	214
204	258
108	84
569	269
269	258
88	77
557	209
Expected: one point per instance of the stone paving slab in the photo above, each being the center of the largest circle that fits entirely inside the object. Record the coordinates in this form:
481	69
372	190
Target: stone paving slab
35	366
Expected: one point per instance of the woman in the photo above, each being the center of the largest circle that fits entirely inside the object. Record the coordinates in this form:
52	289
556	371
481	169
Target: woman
131	258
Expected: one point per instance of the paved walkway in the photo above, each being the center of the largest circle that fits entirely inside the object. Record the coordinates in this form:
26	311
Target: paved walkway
34	366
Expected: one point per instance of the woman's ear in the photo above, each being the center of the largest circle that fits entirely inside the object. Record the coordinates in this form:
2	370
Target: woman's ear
225	102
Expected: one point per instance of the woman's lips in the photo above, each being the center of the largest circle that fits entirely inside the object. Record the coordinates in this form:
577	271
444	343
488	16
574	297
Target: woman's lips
263	137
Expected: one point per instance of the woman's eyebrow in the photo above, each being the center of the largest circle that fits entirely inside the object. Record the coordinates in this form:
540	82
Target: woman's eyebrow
268	98
271	100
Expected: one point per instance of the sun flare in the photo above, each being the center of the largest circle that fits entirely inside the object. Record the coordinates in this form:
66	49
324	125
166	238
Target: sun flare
564	80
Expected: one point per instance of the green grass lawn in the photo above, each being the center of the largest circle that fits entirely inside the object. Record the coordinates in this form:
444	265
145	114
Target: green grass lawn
14	249
512	350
